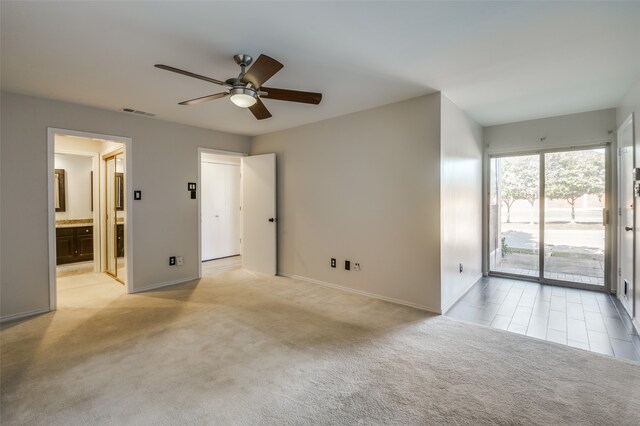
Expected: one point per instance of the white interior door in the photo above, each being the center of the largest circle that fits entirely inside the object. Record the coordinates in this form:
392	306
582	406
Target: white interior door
626	218
259	213
220	189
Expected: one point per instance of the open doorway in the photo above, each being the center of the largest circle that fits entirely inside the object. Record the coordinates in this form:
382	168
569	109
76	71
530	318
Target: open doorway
88	215
247	238
220	212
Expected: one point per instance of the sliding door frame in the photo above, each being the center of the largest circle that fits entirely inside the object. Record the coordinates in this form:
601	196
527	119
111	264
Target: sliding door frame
112	155
541	218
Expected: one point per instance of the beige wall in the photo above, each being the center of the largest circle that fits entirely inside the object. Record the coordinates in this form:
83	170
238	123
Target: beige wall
586	128
363	187
164	159
461	202
77	170
630	103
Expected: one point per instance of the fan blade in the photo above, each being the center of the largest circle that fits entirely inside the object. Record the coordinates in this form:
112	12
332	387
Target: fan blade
262	70
190	74
291	95
259	110
204	99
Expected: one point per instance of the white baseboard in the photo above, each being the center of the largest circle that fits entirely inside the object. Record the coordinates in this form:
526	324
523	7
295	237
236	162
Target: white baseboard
24	314
460	296
164	284
360	292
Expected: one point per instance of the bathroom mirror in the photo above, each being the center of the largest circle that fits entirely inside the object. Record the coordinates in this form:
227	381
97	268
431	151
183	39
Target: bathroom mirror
59	197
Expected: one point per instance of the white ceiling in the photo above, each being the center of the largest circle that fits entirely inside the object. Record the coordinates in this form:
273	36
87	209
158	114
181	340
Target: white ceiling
499	61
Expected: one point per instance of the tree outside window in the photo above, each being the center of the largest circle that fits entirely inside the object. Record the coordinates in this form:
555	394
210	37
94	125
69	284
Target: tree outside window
570	175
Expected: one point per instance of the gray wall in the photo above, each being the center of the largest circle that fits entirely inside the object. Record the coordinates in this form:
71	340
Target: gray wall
363	187
164	223
461	202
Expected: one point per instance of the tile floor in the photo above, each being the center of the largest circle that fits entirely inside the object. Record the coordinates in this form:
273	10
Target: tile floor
583	319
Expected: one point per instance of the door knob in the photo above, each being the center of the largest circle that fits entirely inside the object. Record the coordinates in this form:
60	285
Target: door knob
628	228
272	219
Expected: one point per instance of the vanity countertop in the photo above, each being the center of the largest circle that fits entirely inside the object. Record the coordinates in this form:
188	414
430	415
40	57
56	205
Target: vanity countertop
70	223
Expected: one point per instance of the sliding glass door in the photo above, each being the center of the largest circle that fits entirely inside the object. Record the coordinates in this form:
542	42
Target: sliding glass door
514	215
547	215
114	215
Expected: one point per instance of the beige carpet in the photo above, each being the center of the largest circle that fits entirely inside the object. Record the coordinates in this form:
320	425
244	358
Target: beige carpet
240	348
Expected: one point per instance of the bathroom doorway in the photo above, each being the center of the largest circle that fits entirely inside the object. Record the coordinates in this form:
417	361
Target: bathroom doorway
88	215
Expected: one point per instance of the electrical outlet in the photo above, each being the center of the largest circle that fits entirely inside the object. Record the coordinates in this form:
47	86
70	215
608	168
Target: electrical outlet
347	265
179	261
356	266
333	262
461	267
172	261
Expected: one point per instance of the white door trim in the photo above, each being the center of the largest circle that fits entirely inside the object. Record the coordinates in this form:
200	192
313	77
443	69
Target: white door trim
201	151
51	217
628	122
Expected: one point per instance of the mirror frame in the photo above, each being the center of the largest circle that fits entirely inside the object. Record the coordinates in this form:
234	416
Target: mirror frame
62	199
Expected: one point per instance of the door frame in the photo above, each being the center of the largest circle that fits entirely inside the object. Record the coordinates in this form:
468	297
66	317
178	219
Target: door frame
51	216
608	225
202	150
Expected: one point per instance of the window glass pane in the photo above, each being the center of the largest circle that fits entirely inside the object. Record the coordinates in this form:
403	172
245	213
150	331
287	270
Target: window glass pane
574	233
514	215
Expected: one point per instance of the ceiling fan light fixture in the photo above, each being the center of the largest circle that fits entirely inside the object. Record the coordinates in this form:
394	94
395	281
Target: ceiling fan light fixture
247	90
243	97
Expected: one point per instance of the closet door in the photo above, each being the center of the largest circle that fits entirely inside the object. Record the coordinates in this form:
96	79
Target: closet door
230	216
220	210
110	216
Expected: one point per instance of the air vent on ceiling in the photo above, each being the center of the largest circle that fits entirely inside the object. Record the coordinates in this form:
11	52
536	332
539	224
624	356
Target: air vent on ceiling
138	112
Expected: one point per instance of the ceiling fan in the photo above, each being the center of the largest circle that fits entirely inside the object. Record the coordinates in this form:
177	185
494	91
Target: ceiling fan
246	90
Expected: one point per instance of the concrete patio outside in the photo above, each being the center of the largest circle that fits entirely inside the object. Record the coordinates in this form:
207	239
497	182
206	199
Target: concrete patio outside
573	252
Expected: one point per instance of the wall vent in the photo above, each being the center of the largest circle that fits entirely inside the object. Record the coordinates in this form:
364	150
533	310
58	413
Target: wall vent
137	112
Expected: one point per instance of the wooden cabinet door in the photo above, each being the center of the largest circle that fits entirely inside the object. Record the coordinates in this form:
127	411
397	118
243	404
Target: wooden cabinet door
65	246
74	244
120	240
84	243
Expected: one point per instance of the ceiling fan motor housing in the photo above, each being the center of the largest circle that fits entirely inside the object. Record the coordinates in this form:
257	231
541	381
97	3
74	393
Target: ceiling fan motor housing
243	60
